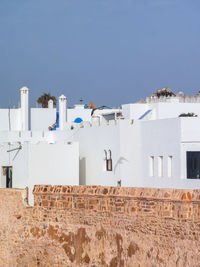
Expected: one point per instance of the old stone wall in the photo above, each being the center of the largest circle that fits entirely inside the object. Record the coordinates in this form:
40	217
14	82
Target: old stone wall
100	226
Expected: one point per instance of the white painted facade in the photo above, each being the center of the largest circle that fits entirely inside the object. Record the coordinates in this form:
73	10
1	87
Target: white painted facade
134	145
85	114
56	163
162	108
149	147
42	118
35	154
40	162
142	144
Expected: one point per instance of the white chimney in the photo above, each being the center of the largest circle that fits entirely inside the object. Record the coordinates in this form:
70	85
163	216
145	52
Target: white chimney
62	112
24	108
50	103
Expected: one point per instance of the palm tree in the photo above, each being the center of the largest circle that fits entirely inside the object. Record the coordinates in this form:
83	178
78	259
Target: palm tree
44	99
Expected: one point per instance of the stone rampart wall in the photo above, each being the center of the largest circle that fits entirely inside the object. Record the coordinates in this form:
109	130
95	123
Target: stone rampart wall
167	203
100	226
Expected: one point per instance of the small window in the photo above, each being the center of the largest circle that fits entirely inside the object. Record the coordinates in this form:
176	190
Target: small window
151	166
108	160
169	166
109	165
160	166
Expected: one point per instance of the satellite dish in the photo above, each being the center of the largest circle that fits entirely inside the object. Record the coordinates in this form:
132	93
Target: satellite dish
78	120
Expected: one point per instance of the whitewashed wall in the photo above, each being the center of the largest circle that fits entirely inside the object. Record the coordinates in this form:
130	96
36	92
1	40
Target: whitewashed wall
163	110
132	145
18	160
41	163
12	115
134	111
85	114
53	164
161	138
172	110
190	139
92	142
130	153
123	139
79	112
42	118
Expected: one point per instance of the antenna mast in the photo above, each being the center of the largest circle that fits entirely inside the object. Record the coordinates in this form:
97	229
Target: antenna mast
9	115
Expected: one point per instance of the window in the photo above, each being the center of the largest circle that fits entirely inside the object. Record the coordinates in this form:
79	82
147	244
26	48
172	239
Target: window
169	166
108	159
193	164
109	164
160	166
151	166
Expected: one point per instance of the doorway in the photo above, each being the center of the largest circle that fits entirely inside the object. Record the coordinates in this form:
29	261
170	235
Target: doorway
7	176
193	165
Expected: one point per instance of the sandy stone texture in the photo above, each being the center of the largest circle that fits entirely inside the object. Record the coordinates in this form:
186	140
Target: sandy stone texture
100	226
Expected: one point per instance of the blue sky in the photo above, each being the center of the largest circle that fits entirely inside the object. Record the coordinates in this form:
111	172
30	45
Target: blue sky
110	52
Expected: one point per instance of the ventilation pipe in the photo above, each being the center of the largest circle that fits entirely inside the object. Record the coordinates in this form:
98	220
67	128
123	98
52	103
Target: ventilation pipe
62	111
24	108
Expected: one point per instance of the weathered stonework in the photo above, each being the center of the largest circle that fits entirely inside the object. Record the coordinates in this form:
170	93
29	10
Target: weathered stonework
100	226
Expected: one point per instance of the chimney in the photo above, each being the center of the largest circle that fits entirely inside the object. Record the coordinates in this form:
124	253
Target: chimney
24	109
50	103
62	111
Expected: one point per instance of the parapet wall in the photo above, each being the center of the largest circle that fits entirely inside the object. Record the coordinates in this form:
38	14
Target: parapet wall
179	98
92	226
107	124
165	203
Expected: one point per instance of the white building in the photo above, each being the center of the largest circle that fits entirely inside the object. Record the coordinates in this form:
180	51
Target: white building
31	154
151	147
144	144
